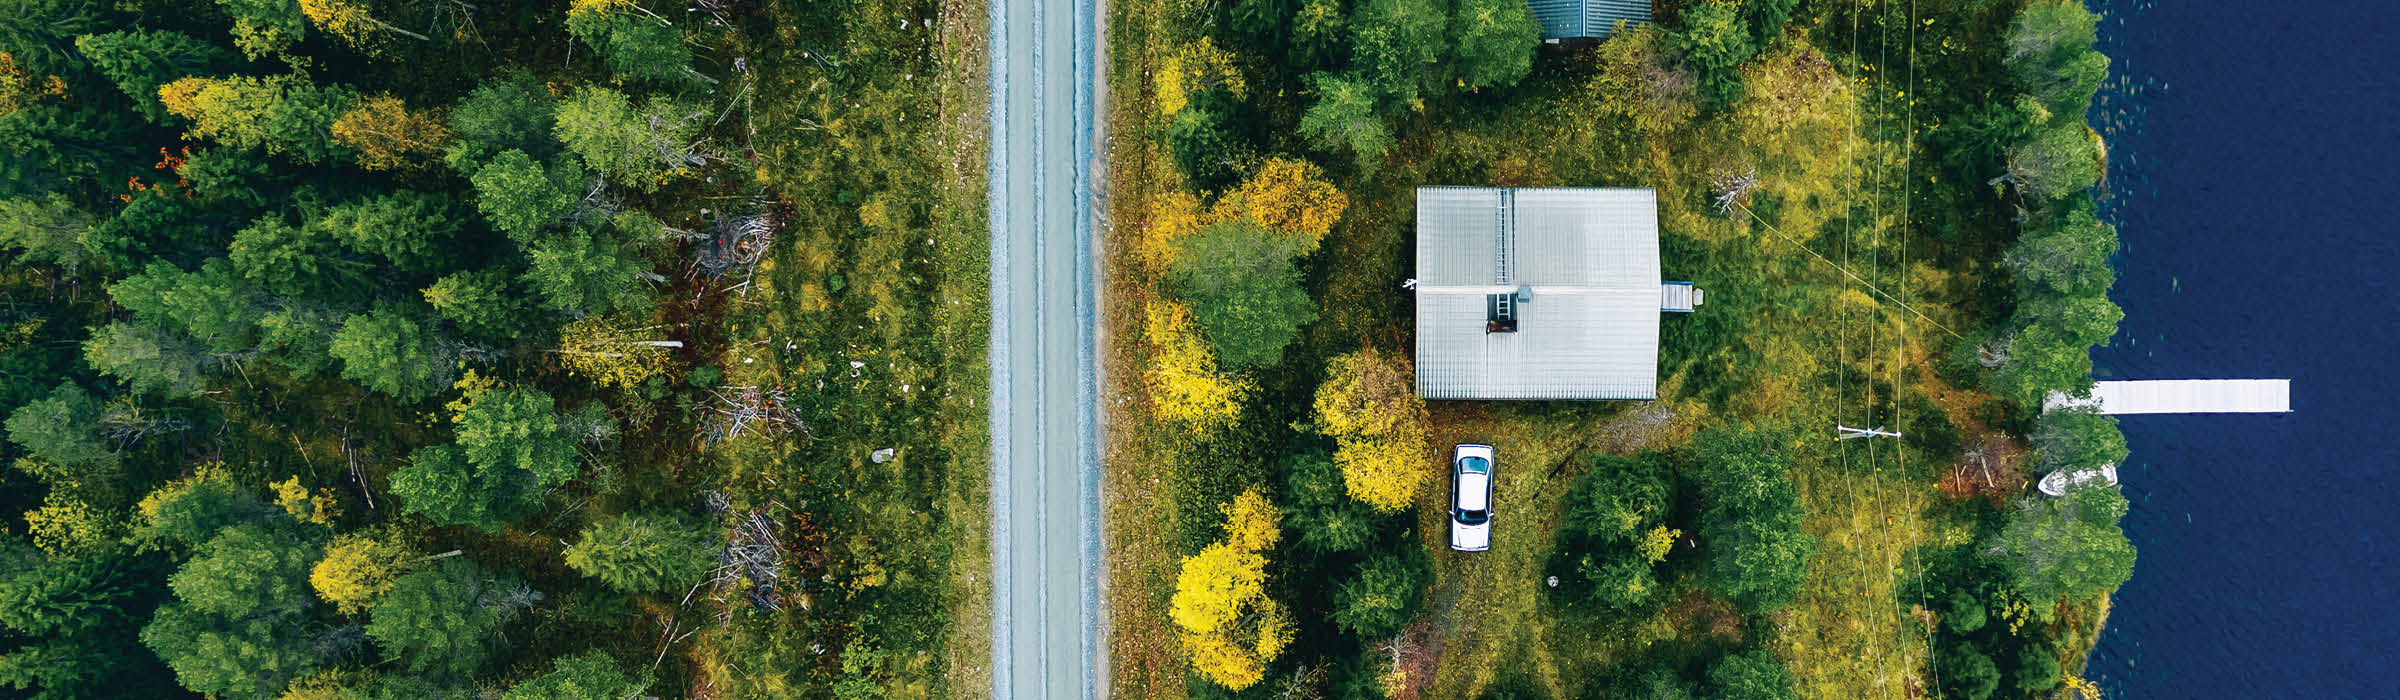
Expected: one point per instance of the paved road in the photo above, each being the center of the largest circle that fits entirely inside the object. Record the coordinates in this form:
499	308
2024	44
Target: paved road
1045	464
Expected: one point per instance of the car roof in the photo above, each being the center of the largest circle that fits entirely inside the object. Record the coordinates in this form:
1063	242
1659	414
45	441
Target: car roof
1474	492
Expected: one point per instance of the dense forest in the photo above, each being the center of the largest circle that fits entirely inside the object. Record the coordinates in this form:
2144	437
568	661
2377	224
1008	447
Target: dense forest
1890	205
399	349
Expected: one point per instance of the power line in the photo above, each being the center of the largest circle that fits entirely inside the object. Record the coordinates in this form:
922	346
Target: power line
1846	271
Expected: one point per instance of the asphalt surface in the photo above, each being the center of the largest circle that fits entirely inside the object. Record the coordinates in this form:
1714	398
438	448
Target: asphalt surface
1045	462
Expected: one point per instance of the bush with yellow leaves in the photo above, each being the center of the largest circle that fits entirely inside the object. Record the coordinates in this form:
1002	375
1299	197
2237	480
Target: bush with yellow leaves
358	568
1199	67
1230	627
1186	386
1369	406
1292	198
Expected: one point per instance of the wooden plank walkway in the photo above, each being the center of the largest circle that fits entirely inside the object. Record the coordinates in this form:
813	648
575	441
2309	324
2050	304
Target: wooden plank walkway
2182	396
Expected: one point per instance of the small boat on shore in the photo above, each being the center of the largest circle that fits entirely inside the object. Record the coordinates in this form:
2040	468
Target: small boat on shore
2056	484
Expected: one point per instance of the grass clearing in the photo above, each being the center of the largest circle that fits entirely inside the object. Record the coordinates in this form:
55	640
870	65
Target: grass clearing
872	316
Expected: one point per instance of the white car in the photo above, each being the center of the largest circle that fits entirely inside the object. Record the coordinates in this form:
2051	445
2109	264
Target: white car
1471	498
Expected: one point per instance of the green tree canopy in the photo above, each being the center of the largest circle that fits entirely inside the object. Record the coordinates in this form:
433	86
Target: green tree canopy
588	273
47	230
1318	510
287	260
1750	675
2066	547
212	305
511	113
519	195
415	231
147	359
78	620
2079	438
1203	143
388	350
1382	595
138	61
2059	161
1605	553
1396	46
639	553
191	510
2050	49
438	483
1495	40
1245	292
634	42
233	657
63	428
2066	257
589	675
1750	520
482	303
245	571
443	620
517	428
638	148
1714	41
1344	120
1966	673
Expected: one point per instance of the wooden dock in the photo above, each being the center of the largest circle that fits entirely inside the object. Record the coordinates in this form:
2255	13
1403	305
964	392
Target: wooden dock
2182	396
1678	297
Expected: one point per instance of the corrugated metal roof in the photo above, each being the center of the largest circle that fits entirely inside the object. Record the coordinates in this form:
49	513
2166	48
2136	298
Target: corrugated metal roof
1589	259
1575	19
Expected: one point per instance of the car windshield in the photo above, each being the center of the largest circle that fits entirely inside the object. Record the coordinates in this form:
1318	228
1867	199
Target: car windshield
1475	465
1473	517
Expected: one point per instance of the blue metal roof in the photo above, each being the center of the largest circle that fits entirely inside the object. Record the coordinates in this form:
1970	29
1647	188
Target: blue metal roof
1574	19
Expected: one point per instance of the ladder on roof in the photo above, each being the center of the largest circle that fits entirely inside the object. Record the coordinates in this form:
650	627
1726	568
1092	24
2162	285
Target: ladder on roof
1500	251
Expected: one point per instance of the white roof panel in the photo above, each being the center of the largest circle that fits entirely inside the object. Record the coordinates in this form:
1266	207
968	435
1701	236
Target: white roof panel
1588	258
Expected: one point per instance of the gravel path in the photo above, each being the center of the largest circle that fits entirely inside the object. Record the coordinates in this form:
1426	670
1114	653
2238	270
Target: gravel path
1045	465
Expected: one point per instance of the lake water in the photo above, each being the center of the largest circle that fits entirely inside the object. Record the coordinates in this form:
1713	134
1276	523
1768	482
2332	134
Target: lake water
2255	173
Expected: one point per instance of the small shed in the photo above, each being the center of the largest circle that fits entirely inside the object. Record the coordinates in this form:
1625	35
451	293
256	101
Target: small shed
1587	19
1540	293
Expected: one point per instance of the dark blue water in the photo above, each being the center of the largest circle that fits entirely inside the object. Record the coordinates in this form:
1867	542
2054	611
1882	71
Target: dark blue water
2255	169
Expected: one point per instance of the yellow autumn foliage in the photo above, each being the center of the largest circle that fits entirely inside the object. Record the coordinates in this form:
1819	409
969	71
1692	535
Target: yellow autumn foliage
1169	79
599	7
1174	216
319	508
1655	545
1216	586
1186	387
1388	471
1250	522
611	351
172	490
181	97
1198	67
358	568
347	20
1292	198
1239	661
1369	406
1231	629
19	87
65	526
388	136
